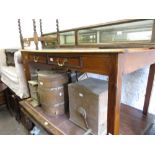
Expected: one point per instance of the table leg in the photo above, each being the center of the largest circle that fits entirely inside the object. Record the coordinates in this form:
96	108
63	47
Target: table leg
8	102
114	98
149	89
16	107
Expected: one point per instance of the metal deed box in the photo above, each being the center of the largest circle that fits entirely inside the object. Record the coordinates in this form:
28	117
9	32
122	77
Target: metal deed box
51	91
90	95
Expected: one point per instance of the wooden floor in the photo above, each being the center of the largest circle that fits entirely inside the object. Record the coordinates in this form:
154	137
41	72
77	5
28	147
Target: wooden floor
133	122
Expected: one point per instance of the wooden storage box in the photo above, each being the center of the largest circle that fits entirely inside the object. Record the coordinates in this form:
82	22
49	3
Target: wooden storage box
88	98
51	92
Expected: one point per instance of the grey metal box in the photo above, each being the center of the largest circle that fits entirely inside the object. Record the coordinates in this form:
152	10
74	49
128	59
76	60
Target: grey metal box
89	97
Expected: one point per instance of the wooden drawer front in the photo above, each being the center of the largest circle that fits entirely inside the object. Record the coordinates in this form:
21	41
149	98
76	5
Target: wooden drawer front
37	58
66	61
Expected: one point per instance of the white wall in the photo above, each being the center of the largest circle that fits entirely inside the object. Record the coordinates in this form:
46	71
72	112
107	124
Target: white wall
71	13
134	88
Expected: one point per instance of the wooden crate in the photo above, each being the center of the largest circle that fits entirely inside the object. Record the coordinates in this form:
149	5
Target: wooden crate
89	98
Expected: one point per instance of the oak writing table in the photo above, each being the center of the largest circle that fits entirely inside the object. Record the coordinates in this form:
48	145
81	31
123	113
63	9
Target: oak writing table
111	62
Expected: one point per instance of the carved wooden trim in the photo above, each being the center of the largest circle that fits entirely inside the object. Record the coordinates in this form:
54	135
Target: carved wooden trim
58	35
35	35
20	33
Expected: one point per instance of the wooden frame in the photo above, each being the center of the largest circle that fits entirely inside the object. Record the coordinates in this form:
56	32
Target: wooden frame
135	44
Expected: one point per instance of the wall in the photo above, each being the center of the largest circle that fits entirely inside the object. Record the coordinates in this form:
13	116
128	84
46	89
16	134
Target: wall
71	13
2	59
134	86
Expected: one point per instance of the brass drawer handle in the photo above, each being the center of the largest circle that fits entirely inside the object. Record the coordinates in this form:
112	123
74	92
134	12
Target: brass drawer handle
35	58
61	64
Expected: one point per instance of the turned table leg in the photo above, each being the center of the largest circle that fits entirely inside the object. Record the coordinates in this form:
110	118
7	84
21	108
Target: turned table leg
149	89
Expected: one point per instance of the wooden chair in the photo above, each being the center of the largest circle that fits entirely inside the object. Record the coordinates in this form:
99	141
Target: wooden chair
45	40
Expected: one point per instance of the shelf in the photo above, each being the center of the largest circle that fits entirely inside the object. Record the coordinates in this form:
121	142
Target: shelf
133	122
58	125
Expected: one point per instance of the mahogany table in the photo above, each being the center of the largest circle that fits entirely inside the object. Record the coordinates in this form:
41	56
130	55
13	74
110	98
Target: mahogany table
112	62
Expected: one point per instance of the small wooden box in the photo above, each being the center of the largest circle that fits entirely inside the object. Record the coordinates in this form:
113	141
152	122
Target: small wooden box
92	96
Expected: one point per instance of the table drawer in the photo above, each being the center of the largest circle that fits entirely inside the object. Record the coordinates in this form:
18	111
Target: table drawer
65	61
37	58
